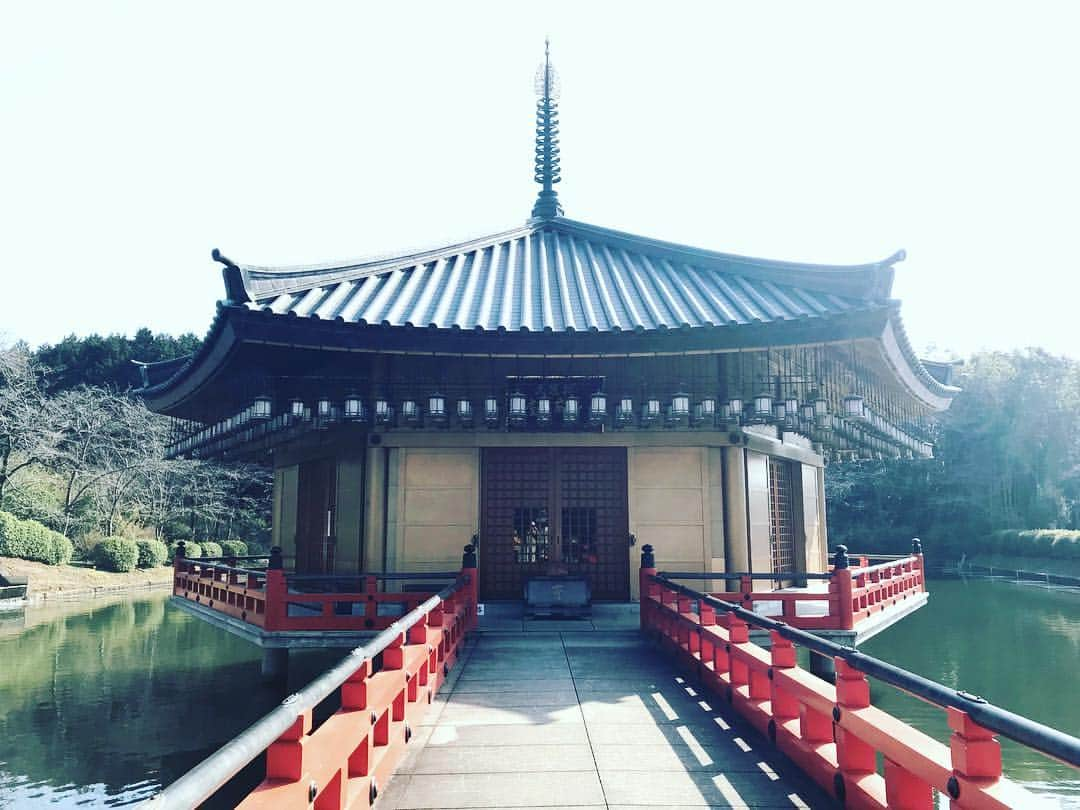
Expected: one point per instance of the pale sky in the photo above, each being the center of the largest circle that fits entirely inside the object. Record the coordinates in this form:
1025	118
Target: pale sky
138	136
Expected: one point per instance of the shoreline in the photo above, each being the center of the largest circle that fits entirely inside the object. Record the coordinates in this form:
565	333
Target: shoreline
61	583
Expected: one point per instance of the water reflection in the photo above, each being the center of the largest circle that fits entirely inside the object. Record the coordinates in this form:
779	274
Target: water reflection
102	703
1016	645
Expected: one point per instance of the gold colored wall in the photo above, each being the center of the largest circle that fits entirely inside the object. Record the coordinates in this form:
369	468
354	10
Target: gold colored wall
434	507
671	502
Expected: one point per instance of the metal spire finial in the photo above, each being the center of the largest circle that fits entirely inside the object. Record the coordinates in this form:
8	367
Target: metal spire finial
547	138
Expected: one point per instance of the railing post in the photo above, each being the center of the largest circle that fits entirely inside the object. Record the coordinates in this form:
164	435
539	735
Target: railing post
645	586
784	705
275	591
470	589
975	752
746	589
179	564
916	550
854	757
841	581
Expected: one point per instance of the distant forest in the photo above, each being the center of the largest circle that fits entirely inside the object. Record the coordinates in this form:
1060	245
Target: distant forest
1007	456
83	456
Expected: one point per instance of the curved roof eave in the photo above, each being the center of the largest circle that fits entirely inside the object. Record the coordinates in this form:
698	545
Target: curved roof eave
900	357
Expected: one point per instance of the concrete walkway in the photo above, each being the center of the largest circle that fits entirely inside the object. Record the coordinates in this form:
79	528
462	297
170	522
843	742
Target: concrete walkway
584	720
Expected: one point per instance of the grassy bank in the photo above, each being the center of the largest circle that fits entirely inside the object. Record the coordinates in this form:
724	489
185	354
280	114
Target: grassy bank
61	581
1015	562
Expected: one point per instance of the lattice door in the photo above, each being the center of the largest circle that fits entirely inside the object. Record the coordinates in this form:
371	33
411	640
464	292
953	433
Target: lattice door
553	510
781	516
594	533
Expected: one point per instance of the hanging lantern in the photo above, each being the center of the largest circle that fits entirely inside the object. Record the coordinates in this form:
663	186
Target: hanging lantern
437	409
597	408
624	414
518	412
779	412
307	413
491	412
296	409
323	408
725	413
705	412
384	412
571	409
735	407
680	405
543	409
822	417
261	407
763	407
650	412
854	407
354	408
410	412
806	414
465	412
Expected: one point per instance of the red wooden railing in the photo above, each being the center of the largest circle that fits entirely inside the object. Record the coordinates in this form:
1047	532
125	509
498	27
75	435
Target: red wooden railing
385	687
853	593
831	731
275	601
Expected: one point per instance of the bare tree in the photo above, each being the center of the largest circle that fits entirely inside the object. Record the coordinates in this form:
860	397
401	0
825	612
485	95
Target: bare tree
27	434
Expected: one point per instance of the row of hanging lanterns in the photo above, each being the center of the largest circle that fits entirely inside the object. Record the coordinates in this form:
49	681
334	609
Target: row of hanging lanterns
857	424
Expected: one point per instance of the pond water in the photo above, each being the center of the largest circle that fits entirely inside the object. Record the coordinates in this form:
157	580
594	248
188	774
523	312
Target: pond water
101	703
1017	645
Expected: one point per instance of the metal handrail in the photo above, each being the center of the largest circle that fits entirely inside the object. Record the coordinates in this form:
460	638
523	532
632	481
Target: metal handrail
737	575
1055	744
384	576
228	568
202	781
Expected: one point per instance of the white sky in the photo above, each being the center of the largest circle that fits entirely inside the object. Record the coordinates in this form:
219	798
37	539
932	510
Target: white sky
137	136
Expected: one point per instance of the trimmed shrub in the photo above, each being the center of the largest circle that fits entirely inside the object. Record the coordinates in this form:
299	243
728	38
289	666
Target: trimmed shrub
210	549
257	549
234	548
152	553
30	540
191	550
10	534
117	554
1060	544
62	549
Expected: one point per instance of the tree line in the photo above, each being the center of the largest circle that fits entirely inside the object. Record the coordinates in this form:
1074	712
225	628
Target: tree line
84	456
1007	456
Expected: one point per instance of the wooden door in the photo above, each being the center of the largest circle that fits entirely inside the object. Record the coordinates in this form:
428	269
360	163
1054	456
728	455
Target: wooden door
316	509
550	510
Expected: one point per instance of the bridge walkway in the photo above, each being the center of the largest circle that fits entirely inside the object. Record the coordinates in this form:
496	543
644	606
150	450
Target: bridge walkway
584	720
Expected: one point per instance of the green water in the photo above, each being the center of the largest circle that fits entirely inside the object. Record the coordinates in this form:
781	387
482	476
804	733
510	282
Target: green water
1018	646
102	703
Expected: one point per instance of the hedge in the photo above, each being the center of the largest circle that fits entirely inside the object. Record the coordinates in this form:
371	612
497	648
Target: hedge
1060	544
117	554
210	549
234	548
30	540
152	553
192	550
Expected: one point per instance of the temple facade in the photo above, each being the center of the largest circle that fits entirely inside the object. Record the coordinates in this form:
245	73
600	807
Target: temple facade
558	393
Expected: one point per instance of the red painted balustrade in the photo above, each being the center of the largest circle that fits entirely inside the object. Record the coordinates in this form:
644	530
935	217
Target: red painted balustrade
853	594
831	732
273	600
385	687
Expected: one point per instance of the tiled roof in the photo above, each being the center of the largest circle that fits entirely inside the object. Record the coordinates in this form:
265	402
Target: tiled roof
561	275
